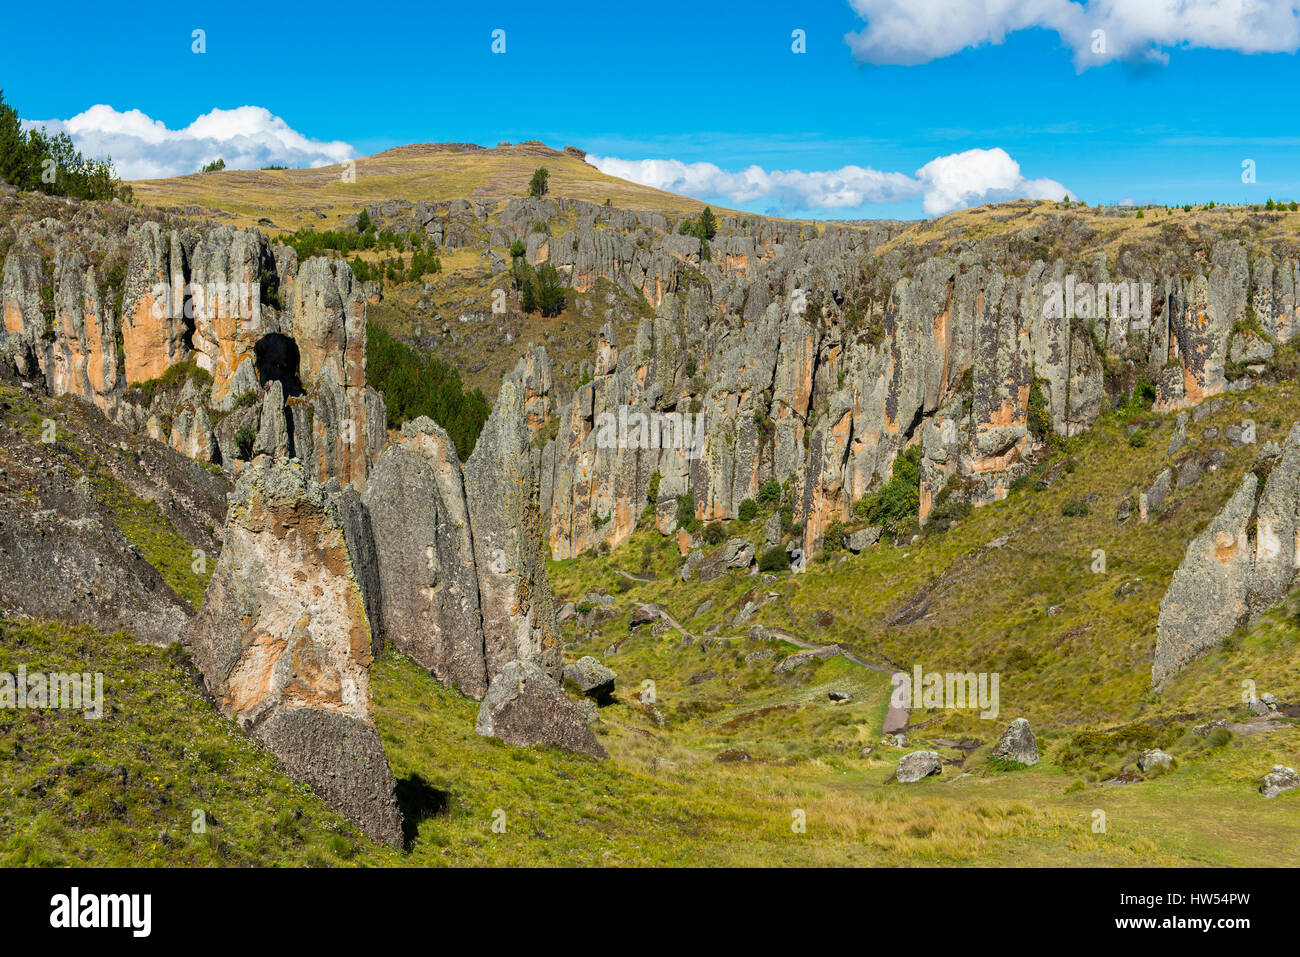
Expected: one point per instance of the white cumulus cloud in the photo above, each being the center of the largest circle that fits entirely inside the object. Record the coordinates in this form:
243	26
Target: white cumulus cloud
906	32
979	176
248	137
944	184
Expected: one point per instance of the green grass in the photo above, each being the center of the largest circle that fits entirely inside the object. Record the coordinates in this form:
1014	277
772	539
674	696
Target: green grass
123	790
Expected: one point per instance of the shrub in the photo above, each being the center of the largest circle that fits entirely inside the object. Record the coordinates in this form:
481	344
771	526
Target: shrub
1138	439
1075	508
652	489
774	559
769	494
714	533
748	510
895	505
244	440
686	512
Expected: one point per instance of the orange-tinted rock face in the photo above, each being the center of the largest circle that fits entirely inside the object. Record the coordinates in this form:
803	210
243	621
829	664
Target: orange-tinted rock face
225	288
284	643
155	327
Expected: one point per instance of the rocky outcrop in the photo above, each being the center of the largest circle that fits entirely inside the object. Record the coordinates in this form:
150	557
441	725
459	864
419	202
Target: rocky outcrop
1227	578
502	488
918	765
591	678
238	309
524	707
1281	778
430	606
1017	744
284	643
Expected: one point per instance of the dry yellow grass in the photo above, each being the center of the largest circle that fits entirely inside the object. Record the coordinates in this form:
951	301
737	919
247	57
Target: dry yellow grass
428	171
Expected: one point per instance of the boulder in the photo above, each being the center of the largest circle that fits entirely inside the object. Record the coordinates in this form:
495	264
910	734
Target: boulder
1207	597
1154	760
524	707
643	615
1017	744
772	530
839	697
284	644
862	538
1280	779
739	553
917	765
591	678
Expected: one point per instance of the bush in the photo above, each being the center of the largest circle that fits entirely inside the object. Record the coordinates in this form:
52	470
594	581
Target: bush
686	512
774	559
1075	508
244	440
652	489
714	533
769	494
895	505
1138	439
748	510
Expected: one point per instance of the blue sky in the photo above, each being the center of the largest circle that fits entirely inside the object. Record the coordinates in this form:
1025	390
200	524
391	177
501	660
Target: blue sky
1161	117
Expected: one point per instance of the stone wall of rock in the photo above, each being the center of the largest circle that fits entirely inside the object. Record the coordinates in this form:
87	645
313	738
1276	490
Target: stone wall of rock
284	642
810	373
282	345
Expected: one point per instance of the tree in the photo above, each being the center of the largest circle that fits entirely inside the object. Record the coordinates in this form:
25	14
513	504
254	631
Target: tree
37	160
363	221
517	249
216	165
538	186
550	291
707	226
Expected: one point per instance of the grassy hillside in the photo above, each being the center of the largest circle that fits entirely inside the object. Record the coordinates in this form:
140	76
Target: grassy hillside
291	199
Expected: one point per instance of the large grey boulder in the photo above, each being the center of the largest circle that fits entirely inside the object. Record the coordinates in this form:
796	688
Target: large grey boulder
1277	528
1154	760
591	678
862	538
1280	779
739	553
430	607
917	765
524	707
1017	744
772	530
283	643
1225	580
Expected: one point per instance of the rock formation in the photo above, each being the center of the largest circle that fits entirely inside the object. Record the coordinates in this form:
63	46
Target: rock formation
284	643
501	492
1227	578
239	309
430	593
526	708
1017	744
